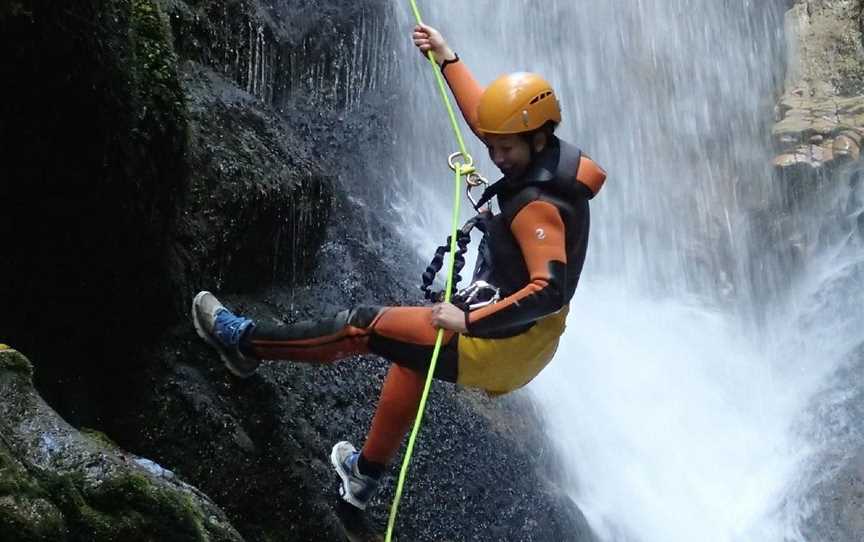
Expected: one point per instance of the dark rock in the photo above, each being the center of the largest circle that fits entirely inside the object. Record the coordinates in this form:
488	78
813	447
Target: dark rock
836	478
57	483
93	173
821	112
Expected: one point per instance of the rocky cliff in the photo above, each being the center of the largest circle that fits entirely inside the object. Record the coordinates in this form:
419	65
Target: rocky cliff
818	138
820	114
61	484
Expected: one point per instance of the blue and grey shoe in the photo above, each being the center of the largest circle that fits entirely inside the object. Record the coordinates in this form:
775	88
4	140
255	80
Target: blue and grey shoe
357	489
223	330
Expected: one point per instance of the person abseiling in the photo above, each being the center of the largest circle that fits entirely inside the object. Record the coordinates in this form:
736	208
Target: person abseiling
532	251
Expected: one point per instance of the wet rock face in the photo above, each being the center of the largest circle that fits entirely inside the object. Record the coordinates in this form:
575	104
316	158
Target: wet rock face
258	205
836	482
818	138
128	180
92	153
289	54
825	130
821	113
57	483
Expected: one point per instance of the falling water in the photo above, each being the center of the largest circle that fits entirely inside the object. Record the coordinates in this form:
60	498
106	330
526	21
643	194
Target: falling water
263	58
710	321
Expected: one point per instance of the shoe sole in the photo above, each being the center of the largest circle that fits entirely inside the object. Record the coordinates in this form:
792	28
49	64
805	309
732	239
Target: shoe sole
209	340
354	526
345	490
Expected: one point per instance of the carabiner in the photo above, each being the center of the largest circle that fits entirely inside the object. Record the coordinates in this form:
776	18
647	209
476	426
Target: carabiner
478	295
466	167
472	181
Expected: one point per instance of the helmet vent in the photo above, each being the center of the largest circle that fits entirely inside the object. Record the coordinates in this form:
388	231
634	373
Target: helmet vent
540	97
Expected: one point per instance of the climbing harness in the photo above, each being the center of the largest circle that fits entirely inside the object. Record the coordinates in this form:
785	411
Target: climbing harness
463	166
463	237
474	296
480	293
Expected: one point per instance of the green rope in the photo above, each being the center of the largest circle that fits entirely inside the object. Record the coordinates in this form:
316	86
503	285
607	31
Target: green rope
403	473
442	88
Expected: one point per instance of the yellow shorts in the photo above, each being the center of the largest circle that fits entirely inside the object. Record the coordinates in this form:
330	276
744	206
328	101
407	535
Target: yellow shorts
503	365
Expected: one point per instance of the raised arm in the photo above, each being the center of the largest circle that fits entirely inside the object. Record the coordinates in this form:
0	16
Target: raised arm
465	88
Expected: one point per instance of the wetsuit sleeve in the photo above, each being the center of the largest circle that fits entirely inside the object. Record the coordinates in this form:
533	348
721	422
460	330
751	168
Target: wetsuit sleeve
591	175
466	90
539	230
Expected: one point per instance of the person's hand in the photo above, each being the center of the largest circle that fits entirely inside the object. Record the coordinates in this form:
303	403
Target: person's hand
448	316
427	38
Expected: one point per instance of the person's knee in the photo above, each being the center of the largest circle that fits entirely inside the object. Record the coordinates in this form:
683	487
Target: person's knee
362	316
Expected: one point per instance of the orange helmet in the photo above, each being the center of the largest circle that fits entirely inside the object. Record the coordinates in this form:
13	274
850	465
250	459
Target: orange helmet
516	103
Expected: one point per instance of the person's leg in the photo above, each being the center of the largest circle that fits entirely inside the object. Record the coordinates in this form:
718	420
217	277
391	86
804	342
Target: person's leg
323	341
242	343
403	335
406	336
360	471
397	408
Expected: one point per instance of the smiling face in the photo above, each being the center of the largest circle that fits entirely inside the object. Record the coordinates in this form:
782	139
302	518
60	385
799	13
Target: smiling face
512	152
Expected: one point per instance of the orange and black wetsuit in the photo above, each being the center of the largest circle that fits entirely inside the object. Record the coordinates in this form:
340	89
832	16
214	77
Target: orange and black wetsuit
533	250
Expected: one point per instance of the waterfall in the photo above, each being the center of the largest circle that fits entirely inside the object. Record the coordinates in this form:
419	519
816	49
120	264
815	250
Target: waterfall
711	320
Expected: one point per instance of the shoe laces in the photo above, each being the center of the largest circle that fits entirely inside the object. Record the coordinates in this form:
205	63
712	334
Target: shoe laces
229	327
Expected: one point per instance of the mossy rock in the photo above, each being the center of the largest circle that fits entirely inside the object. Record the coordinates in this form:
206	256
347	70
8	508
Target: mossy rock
99	437
12	360
14	479
154	70
30	520
26	513
128	507
85	488
14	9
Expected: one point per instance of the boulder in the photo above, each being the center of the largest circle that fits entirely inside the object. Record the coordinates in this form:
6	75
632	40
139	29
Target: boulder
820	115
58	483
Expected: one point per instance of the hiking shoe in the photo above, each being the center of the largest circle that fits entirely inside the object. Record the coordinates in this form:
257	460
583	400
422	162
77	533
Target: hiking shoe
223	330
356	489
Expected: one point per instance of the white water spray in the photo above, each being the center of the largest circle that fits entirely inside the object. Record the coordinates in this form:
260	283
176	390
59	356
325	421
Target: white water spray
694	346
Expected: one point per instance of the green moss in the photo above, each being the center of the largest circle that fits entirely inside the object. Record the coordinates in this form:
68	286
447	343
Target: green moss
136	505
30	520
161	103
14	480
26	514
99	437
126	507
15	9
12	360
